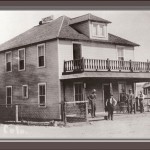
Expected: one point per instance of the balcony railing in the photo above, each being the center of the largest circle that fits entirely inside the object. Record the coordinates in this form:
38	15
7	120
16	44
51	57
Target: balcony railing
80	65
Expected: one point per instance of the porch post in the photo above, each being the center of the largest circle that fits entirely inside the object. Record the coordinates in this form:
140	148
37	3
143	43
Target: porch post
64	104
86	103
64	66
134	98
108	64
131	66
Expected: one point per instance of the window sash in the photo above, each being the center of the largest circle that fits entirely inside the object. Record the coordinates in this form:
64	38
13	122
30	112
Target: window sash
42	94
8	95
25	91
8	64
78	91
41	55
21	54
98	30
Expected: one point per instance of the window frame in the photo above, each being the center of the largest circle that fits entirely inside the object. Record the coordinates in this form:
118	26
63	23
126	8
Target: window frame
43	44
75	83
19	59
103	30
23	91
39	95
6	61
6	96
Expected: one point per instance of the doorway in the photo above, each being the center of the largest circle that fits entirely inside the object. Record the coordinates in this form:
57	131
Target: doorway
106	93
77	51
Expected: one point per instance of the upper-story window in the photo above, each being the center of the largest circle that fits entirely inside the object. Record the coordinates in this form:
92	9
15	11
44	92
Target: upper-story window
8	58
41	55
98	30
21	63
120	53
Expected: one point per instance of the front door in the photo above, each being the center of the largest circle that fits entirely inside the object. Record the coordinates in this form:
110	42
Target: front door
106	93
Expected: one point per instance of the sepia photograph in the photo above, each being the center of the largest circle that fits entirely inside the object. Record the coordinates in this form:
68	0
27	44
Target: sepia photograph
75	75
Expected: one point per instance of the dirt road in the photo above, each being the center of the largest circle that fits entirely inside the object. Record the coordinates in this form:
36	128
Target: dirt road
124	126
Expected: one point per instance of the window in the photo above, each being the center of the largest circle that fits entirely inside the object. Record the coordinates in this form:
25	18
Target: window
8	58
25	91
21	55
120	53
78	91
8	95
41	55
98	30
42	94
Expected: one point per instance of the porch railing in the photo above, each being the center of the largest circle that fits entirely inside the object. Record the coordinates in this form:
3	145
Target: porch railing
80	65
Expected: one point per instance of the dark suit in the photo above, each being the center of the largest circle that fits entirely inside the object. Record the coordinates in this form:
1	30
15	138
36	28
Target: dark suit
92	101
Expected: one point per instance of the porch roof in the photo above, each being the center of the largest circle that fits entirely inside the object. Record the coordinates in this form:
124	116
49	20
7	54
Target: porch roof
141	76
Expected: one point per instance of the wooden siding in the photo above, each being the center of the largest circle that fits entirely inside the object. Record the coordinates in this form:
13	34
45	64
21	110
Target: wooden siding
32	76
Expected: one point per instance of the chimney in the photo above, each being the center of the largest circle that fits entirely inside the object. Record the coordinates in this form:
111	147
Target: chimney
46	20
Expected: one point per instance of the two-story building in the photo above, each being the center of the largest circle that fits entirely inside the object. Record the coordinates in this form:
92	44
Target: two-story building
64	59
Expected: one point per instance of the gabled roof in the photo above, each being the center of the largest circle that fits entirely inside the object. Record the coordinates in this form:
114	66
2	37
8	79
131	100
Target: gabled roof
86	18
58	28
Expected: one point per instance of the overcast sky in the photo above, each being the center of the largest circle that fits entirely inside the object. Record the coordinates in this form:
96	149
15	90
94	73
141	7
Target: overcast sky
131	25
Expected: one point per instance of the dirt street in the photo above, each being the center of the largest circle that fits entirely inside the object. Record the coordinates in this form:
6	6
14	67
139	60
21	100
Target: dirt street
124	126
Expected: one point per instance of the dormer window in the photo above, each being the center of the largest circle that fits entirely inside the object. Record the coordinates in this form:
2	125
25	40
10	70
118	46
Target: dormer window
98	30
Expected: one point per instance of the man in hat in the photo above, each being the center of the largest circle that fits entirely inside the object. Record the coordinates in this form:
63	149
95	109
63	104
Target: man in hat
130	101
141	101
110	104
92	102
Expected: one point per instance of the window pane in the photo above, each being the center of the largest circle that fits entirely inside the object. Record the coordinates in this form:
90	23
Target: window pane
41	50
120	52
21	64
8	57
21	54
41	61
42	90
8	66
42	100
25	91
101	30
8	91
78	92
9	100
95	29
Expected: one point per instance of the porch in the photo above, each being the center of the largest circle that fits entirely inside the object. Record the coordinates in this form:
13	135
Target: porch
83	65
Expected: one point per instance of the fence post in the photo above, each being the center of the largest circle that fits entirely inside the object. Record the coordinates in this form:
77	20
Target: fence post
65	119
16	115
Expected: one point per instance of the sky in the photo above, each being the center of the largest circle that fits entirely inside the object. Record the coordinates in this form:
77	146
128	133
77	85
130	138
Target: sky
131	25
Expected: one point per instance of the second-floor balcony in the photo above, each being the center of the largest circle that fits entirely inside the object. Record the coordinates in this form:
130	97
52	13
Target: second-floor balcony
81	65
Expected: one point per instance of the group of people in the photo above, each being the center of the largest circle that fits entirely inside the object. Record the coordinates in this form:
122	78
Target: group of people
130	101
111	102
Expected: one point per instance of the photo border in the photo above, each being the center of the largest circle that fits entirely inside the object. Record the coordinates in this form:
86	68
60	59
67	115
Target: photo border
74	5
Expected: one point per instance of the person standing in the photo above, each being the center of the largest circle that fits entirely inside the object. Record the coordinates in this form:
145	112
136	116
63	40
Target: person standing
110	104
131	102
92	102
141	101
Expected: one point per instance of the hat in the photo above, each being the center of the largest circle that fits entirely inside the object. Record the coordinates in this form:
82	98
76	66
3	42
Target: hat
111	94
130	89
94	90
